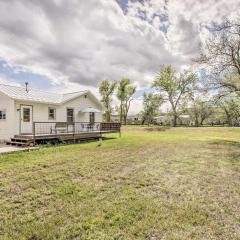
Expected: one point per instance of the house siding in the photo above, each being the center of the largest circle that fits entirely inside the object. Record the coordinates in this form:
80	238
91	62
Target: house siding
7	126
11	126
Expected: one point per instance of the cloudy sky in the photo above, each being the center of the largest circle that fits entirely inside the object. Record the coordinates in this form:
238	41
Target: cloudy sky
69	45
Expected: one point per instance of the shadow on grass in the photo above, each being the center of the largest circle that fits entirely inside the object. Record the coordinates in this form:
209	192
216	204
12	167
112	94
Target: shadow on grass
159	129
233	155
226	142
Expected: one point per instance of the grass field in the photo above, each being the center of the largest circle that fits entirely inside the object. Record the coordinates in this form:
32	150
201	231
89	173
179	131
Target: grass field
182	183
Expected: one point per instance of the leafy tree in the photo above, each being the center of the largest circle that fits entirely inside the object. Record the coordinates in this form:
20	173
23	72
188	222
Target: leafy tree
151	104
106	90
176	88
124	94
231	108
200	111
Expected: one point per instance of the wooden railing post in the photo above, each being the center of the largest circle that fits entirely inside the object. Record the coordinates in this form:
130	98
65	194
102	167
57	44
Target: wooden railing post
34	138
74	140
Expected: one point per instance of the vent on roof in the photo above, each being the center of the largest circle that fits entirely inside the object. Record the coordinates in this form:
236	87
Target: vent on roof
26	85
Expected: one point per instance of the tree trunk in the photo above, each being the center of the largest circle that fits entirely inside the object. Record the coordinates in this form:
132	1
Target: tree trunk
196	122
229	119
125	119
174	120
121	112
108	117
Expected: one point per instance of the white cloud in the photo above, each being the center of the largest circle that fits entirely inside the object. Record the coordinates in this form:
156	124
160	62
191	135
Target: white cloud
82	42
5	81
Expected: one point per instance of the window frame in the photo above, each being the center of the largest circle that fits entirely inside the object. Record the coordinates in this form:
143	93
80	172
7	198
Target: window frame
4	113
92	117
54	112
70	122
28	119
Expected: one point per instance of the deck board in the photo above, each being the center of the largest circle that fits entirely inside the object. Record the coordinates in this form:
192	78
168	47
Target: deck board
69	135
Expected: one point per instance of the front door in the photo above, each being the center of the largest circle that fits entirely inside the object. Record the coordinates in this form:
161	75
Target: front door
26	119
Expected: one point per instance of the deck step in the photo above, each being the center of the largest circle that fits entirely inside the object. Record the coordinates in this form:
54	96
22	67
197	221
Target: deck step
20	144
21	139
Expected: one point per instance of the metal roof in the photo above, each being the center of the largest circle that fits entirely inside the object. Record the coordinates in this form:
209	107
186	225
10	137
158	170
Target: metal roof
20	93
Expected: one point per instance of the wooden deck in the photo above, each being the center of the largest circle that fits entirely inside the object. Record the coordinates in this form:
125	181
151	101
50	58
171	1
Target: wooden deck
45	132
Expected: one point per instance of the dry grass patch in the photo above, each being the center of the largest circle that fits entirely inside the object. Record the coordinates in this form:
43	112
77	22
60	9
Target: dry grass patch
182	183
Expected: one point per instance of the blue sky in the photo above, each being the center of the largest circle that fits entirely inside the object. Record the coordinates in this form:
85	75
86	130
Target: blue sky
17	76
73	45
123	4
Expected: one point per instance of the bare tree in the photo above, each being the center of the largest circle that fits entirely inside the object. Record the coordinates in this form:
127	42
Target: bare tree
221	55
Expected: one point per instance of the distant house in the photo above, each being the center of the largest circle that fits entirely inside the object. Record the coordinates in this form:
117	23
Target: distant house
162	120
115	117
133	119
184	119
20	107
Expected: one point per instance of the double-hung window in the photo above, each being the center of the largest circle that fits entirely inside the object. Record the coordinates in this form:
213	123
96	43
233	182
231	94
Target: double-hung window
51	113
2	114
70	115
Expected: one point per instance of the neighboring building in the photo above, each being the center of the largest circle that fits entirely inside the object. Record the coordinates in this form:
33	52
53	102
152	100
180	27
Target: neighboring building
20	107
133	119
184	119
115	117
161	120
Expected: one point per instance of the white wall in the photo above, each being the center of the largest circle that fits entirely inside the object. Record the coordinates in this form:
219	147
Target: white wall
40	111
11	126
7	127
79	104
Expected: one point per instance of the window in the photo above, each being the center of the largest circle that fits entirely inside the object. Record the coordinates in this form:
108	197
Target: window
92	117
51	114
26	114
70	115
2	114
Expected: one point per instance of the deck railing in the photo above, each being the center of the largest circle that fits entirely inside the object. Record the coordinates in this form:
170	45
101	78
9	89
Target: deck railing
60	128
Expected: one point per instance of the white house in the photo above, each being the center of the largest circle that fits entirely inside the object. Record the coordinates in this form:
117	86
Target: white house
20	107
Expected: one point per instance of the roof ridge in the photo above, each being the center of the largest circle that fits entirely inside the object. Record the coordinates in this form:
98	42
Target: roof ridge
39	90
33	89
19	93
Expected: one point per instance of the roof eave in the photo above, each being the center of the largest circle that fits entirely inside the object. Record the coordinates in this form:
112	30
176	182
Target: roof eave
32	101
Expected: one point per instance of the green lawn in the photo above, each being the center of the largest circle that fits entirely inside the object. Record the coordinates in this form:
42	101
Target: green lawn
182	183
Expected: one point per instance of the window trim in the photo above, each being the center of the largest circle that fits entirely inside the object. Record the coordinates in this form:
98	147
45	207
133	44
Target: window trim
92	117
3	110
69	108
55	113
27	120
